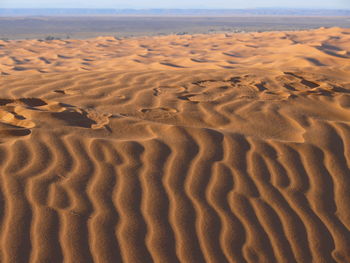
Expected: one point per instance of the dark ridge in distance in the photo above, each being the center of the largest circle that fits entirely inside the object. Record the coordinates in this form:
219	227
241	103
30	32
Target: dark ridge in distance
89	26
215	12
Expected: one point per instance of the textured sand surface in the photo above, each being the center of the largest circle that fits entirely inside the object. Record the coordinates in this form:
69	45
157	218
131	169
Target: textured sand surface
205	148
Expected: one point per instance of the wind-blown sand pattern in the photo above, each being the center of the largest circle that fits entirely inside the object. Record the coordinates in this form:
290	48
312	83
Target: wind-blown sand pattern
205	148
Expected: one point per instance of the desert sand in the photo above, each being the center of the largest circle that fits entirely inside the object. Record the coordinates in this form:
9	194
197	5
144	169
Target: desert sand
194	148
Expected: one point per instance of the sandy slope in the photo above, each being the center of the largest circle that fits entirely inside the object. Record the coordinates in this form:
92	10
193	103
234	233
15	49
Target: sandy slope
207	148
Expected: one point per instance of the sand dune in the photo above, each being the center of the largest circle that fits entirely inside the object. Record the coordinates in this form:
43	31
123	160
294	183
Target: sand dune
204	148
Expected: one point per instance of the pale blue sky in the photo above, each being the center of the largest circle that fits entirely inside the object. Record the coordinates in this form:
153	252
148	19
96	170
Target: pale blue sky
339	4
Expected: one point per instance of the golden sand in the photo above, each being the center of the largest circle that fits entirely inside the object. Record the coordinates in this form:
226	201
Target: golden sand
204	148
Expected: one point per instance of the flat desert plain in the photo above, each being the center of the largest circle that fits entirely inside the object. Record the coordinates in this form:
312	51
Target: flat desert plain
193	148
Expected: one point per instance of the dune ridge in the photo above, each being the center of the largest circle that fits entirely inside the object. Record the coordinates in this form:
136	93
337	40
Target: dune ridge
325	47
216	148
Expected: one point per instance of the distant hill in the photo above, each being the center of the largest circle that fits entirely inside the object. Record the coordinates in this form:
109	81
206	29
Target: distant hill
195	12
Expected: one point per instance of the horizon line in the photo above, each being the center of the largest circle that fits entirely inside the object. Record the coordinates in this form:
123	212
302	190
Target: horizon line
182	8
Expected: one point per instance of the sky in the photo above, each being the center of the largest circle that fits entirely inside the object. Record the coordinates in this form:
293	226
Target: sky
139	4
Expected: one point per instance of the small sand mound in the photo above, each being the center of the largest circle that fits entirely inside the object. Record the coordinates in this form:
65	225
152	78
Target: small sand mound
29	112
